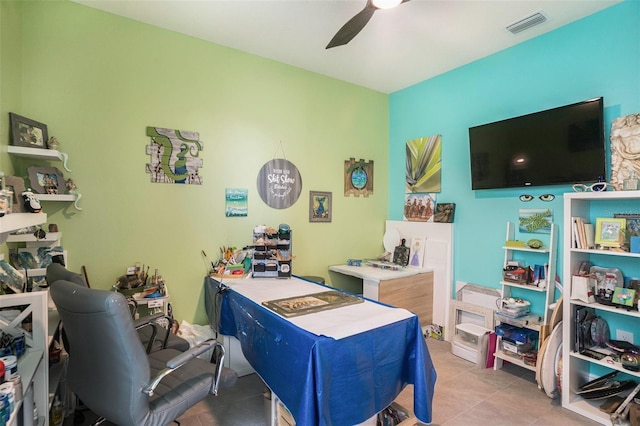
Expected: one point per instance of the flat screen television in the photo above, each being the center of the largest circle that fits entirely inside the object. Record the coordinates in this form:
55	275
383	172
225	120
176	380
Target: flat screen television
563	145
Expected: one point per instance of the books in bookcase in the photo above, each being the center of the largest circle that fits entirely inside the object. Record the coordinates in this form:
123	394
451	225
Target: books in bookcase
583	233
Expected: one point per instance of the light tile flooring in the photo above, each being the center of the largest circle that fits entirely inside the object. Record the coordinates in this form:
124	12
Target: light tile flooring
464	396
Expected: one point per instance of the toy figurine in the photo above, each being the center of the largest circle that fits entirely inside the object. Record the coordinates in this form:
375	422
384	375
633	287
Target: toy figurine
53	143
30	202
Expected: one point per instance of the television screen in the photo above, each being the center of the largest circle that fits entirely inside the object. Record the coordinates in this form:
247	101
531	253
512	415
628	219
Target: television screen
563	145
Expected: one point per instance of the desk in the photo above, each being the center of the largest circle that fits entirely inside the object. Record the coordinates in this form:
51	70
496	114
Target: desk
408	288
336	367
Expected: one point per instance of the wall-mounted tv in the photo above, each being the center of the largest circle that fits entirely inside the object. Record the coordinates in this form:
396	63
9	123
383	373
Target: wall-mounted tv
563	145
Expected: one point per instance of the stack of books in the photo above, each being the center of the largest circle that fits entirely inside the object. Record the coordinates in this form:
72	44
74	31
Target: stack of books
583	233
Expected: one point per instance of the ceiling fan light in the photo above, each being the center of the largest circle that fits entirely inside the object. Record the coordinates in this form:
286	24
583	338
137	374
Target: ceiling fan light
386	4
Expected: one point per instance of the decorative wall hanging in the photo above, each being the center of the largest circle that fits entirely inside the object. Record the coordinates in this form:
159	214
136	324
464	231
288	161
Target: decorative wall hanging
27	132
419	207
174	156
358	177
319	206
279	183
625	150
537	221
236	202
423	164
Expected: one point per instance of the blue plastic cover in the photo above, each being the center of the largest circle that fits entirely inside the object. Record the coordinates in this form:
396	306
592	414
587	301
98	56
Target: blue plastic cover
323	381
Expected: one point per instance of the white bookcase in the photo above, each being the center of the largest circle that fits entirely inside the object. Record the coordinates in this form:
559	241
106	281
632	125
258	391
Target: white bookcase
33	365
535	321
578	369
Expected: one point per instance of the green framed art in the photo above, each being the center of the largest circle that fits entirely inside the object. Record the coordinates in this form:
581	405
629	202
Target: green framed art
610	231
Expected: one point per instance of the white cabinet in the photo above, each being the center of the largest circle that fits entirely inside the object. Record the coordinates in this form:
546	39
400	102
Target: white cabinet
33	365
541	294
578	369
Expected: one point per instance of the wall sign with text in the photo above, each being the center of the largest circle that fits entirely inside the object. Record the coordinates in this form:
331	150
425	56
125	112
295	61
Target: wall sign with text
279	183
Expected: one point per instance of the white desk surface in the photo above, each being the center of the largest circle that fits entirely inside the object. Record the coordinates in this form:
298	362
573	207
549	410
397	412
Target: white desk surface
377	274
336	323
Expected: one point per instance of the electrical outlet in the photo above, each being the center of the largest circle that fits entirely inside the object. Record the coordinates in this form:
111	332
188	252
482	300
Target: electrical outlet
624	335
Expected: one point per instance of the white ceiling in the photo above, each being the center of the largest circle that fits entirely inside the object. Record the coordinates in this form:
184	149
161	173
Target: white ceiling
398	48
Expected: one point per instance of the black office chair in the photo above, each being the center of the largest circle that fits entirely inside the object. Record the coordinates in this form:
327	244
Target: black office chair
110	371
152	335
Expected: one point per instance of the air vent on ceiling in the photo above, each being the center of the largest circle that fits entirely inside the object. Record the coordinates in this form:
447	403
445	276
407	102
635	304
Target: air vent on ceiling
526	23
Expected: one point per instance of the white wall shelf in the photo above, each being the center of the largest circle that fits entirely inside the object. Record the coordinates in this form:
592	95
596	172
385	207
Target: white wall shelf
51	237
37	153
14	221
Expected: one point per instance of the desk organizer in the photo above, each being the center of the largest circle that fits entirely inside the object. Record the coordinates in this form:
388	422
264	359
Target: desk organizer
271	252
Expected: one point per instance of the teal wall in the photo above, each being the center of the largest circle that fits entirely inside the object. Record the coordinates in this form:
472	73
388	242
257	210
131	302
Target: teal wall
98	80
596	56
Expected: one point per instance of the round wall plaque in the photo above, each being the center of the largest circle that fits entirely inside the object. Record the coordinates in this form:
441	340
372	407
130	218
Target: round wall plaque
279	183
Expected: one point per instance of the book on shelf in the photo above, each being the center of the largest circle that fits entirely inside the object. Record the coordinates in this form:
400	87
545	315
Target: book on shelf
590	235
583	233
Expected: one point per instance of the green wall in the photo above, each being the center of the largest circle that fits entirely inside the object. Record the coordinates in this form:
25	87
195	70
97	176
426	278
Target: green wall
598	55
98	80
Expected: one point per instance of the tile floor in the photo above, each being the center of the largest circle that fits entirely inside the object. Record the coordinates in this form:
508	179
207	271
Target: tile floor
464	396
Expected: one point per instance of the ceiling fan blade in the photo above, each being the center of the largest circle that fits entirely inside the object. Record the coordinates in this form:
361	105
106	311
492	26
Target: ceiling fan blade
353	26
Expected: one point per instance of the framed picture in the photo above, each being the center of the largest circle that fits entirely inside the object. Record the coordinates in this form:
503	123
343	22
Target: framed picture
46	180
632	225
27	132
444	212
623	296
16	184
610	231
319	206
416	251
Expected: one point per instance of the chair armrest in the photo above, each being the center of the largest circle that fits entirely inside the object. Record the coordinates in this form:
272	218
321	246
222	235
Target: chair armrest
178	361
149	321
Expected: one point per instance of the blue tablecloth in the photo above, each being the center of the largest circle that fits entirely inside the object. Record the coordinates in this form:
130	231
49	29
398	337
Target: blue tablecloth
323	381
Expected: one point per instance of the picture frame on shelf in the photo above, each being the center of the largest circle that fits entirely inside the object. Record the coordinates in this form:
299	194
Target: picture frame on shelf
416	251
632	226
624	296
16	184
610	231
27	132
320	206
46	180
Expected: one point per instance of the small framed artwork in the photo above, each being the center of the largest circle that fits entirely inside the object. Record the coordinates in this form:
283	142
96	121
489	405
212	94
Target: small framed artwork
27	132
416	251
632	225
610	231
444	212
319	206
623	296
46	180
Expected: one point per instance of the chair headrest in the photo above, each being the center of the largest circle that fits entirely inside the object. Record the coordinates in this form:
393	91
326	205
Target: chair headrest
56	272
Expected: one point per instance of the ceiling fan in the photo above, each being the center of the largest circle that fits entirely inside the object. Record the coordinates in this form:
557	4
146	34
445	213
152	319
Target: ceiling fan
357	23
